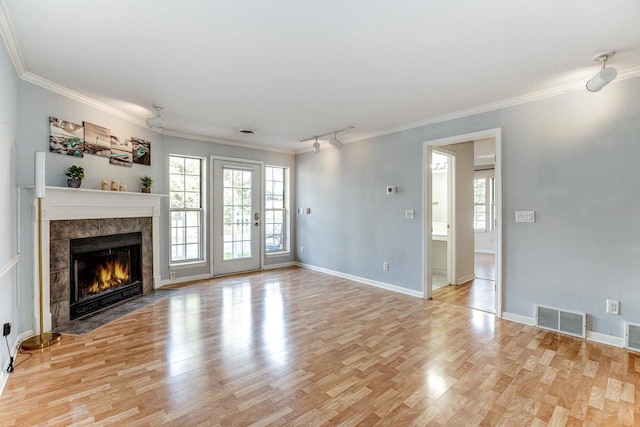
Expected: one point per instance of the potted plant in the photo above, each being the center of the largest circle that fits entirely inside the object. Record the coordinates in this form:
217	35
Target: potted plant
76	175
146	182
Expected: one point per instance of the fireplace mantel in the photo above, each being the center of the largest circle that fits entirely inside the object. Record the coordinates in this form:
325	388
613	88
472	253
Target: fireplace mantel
61	203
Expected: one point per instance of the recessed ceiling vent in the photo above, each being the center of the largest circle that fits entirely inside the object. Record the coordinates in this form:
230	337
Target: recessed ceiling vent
247	131
564	321
632	336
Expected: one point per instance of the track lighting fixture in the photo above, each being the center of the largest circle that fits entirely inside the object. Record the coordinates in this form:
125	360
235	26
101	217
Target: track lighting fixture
157	121
333	141
605	75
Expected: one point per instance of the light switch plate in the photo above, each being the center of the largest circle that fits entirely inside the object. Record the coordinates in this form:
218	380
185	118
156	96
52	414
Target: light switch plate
525	216
409	214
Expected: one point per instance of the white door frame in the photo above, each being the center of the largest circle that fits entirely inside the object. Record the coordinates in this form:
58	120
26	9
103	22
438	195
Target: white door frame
496	134
260	164
451	214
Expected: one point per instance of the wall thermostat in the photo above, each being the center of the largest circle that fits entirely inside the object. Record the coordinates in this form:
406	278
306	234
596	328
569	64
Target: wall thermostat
392	189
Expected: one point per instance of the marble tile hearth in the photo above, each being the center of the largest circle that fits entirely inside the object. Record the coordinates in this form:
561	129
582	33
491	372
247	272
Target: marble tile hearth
61	233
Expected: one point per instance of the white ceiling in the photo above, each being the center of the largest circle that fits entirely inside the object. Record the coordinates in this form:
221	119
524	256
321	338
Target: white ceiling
292	69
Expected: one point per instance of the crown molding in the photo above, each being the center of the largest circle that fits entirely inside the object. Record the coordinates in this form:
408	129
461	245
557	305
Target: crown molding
510	102
10	40
76	96
195	137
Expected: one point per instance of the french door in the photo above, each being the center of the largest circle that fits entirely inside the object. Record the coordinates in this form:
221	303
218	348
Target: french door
237	222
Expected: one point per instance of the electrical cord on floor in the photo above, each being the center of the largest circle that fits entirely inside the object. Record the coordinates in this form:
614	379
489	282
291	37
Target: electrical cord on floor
10	367
26	354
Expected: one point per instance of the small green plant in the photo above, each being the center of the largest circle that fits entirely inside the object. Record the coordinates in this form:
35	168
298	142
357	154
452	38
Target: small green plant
146	181
75	172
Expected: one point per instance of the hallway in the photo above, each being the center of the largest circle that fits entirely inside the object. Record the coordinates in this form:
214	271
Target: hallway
478	293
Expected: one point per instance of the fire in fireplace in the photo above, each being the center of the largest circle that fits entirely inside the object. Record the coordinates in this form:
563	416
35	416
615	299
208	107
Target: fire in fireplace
105	270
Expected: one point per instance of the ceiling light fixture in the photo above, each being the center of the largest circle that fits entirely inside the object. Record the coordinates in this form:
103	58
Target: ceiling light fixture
157	121
248	131
333	141
605	75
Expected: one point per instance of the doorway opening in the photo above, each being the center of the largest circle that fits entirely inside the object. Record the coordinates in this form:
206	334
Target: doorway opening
472	231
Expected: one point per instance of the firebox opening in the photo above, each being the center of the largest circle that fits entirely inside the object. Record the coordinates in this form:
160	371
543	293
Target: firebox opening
105	270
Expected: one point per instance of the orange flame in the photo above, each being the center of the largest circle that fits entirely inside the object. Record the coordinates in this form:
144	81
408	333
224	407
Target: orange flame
110	274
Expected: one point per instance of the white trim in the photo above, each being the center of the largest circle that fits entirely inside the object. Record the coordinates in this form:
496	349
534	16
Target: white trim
505	103
518	318
277	254
10	40
260	164
178	280
185	135
186	265
496	134
483	251
465	279
605	339
280	265
13	261
363	280
83	99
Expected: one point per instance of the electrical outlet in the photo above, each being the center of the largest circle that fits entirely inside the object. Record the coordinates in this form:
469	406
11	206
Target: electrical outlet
172	275
385	266
301	249
6	329
613	306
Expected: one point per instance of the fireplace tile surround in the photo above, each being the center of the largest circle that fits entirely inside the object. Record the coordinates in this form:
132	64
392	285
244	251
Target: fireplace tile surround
60	235
75	213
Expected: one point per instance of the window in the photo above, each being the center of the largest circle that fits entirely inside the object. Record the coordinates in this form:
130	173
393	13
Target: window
484	204
185	198
275	210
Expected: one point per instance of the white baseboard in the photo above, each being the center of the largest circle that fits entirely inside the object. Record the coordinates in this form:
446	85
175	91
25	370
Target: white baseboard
382	285
280	265
184	279
605	339
465	279
525	320
4	375
591	335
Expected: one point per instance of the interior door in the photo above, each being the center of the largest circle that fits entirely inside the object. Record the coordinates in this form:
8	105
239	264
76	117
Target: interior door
237	222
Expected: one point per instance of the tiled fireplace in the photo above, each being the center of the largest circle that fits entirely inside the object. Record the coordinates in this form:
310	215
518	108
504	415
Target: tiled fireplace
98	247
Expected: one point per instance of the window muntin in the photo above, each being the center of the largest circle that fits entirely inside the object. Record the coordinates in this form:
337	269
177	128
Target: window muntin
236	209
275	209
185	205
484	204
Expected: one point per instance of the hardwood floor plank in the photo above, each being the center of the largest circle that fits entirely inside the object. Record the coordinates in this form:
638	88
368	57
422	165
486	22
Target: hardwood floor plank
298	347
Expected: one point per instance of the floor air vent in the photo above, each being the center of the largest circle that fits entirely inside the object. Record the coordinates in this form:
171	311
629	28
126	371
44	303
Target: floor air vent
565	321
632	336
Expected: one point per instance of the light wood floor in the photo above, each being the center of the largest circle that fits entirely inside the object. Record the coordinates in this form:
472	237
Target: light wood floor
478	293
298	347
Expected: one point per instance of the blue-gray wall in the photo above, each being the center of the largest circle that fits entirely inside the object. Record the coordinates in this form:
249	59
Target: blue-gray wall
572	158
8	223
34	106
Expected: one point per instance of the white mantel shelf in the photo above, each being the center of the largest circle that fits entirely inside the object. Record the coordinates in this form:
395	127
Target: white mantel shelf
63	203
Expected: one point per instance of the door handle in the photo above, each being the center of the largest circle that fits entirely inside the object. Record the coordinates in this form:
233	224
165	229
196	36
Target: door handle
256	217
